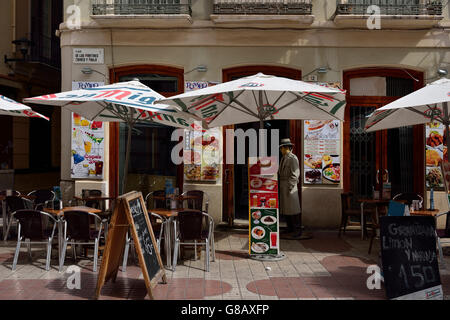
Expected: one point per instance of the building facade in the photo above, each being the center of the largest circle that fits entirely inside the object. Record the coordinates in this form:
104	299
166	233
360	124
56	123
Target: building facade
168	44
30	149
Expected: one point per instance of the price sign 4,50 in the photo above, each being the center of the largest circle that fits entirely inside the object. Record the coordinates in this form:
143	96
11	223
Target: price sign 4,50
423	274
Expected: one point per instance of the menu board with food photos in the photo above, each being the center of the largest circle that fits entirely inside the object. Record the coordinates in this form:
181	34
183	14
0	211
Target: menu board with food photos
263	204
436	150
201	155
321	161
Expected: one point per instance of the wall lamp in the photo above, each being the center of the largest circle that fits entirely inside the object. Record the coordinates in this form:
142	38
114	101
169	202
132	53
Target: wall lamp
23	44
442	72
89	70
200	68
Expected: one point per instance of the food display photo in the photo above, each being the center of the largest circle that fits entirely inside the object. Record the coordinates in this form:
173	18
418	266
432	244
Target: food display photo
201	155
321	161
264	231
259	183
435	152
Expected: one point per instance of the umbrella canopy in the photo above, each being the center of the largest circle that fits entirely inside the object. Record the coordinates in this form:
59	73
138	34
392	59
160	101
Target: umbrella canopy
425	105
129	102
10	107
261	97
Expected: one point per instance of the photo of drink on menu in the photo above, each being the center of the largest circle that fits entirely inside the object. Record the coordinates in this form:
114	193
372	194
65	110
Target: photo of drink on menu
87	148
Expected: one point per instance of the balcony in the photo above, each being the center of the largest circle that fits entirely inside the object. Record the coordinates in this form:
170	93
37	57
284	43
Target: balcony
263	12
402	14
142	13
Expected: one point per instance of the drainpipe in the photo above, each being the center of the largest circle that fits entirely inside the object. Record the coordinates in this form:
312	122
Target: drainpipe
13	24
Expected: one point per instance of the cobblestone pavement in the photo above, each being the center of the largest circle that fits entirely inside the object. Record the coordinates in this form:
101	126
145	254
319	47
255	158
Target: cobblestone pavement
324	267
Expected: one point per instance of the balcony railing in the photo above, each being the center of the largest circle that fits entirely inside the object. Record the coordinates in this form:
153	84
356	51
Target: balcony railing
390	7
140	7
269	7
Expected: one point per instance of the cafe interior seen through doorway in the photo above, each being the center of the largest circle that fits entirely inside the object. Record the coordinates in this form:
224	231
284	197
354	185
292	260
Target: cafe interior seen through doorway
235	176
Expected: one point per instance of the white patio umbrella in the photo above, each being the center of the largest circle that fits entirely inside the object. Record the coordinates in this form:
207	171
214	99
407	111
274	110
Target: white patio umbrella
10	107
425	105
130	102
261	97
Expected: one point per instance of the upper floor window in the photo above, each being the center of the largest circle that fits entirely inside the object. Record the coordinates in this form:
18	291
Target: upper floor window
140	7
391	7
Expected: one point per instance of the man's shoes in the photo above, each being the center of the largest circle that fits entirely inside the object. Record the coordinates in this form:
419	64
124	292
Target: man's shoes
286	235
298	236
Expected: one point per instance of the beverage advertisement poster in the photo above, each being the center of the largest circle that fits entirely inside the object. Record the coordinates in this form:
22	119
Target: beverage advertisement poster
321	161
263	204
87	148
435	151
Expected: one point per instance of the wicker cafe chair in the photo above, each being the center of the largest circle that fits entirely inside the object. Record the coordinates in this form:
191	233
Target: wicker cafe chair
42	196
197	204
409	197
32	228
13	193
188	230
156	203
158	231
14	203
77	230
348	211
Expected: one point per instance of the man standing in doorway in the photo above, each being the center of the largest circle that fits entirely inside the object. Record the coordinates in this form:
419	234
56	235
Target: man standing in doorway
289	173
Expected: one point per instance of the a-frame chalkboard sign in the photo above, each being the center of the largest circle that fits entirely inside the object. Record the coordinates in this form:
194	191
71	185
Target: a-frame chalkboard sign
130	213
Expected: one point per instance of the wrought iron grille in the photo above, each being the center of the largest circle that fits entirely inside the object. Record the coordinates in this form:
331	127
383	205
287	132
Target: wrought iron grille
273	7
390	7
362	153
140	7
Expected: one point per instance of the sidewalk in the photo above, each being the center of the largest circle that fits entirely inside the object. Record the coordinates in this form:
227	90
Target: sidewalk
325	267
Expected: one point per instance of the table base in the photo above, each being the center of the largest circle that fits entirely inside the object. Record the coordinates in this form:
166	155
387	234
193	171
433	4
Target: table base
262	257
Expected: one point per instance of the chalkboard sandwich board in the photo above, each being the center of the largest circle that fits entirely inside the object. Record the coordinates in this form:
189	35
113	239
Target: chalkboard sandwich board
409	258
131	214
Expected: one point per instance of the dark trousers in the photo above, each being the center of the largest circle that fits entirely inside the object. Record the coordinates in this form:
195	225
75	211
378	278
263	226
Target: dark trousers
294	222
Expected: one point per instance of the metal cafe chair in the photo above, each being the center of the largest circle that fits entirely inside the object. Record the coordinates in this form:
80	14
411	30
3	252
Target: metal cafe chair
14	203
196	203
78	231
189	230
443	236
42	196
158	235
31	228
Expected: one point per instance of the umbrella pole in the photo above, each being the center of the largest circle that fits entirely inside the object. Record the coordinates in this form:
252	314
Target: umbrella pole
446	128
127	157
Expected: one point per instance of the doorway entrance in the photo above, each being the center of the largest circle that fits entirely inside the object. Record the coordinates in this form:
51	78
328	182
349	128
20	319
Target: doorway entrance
235	177
395	153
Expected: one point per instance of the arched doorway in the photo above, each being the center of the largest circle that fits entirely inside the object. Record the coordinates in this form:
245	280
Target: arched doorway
235	189
150	161
399	151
